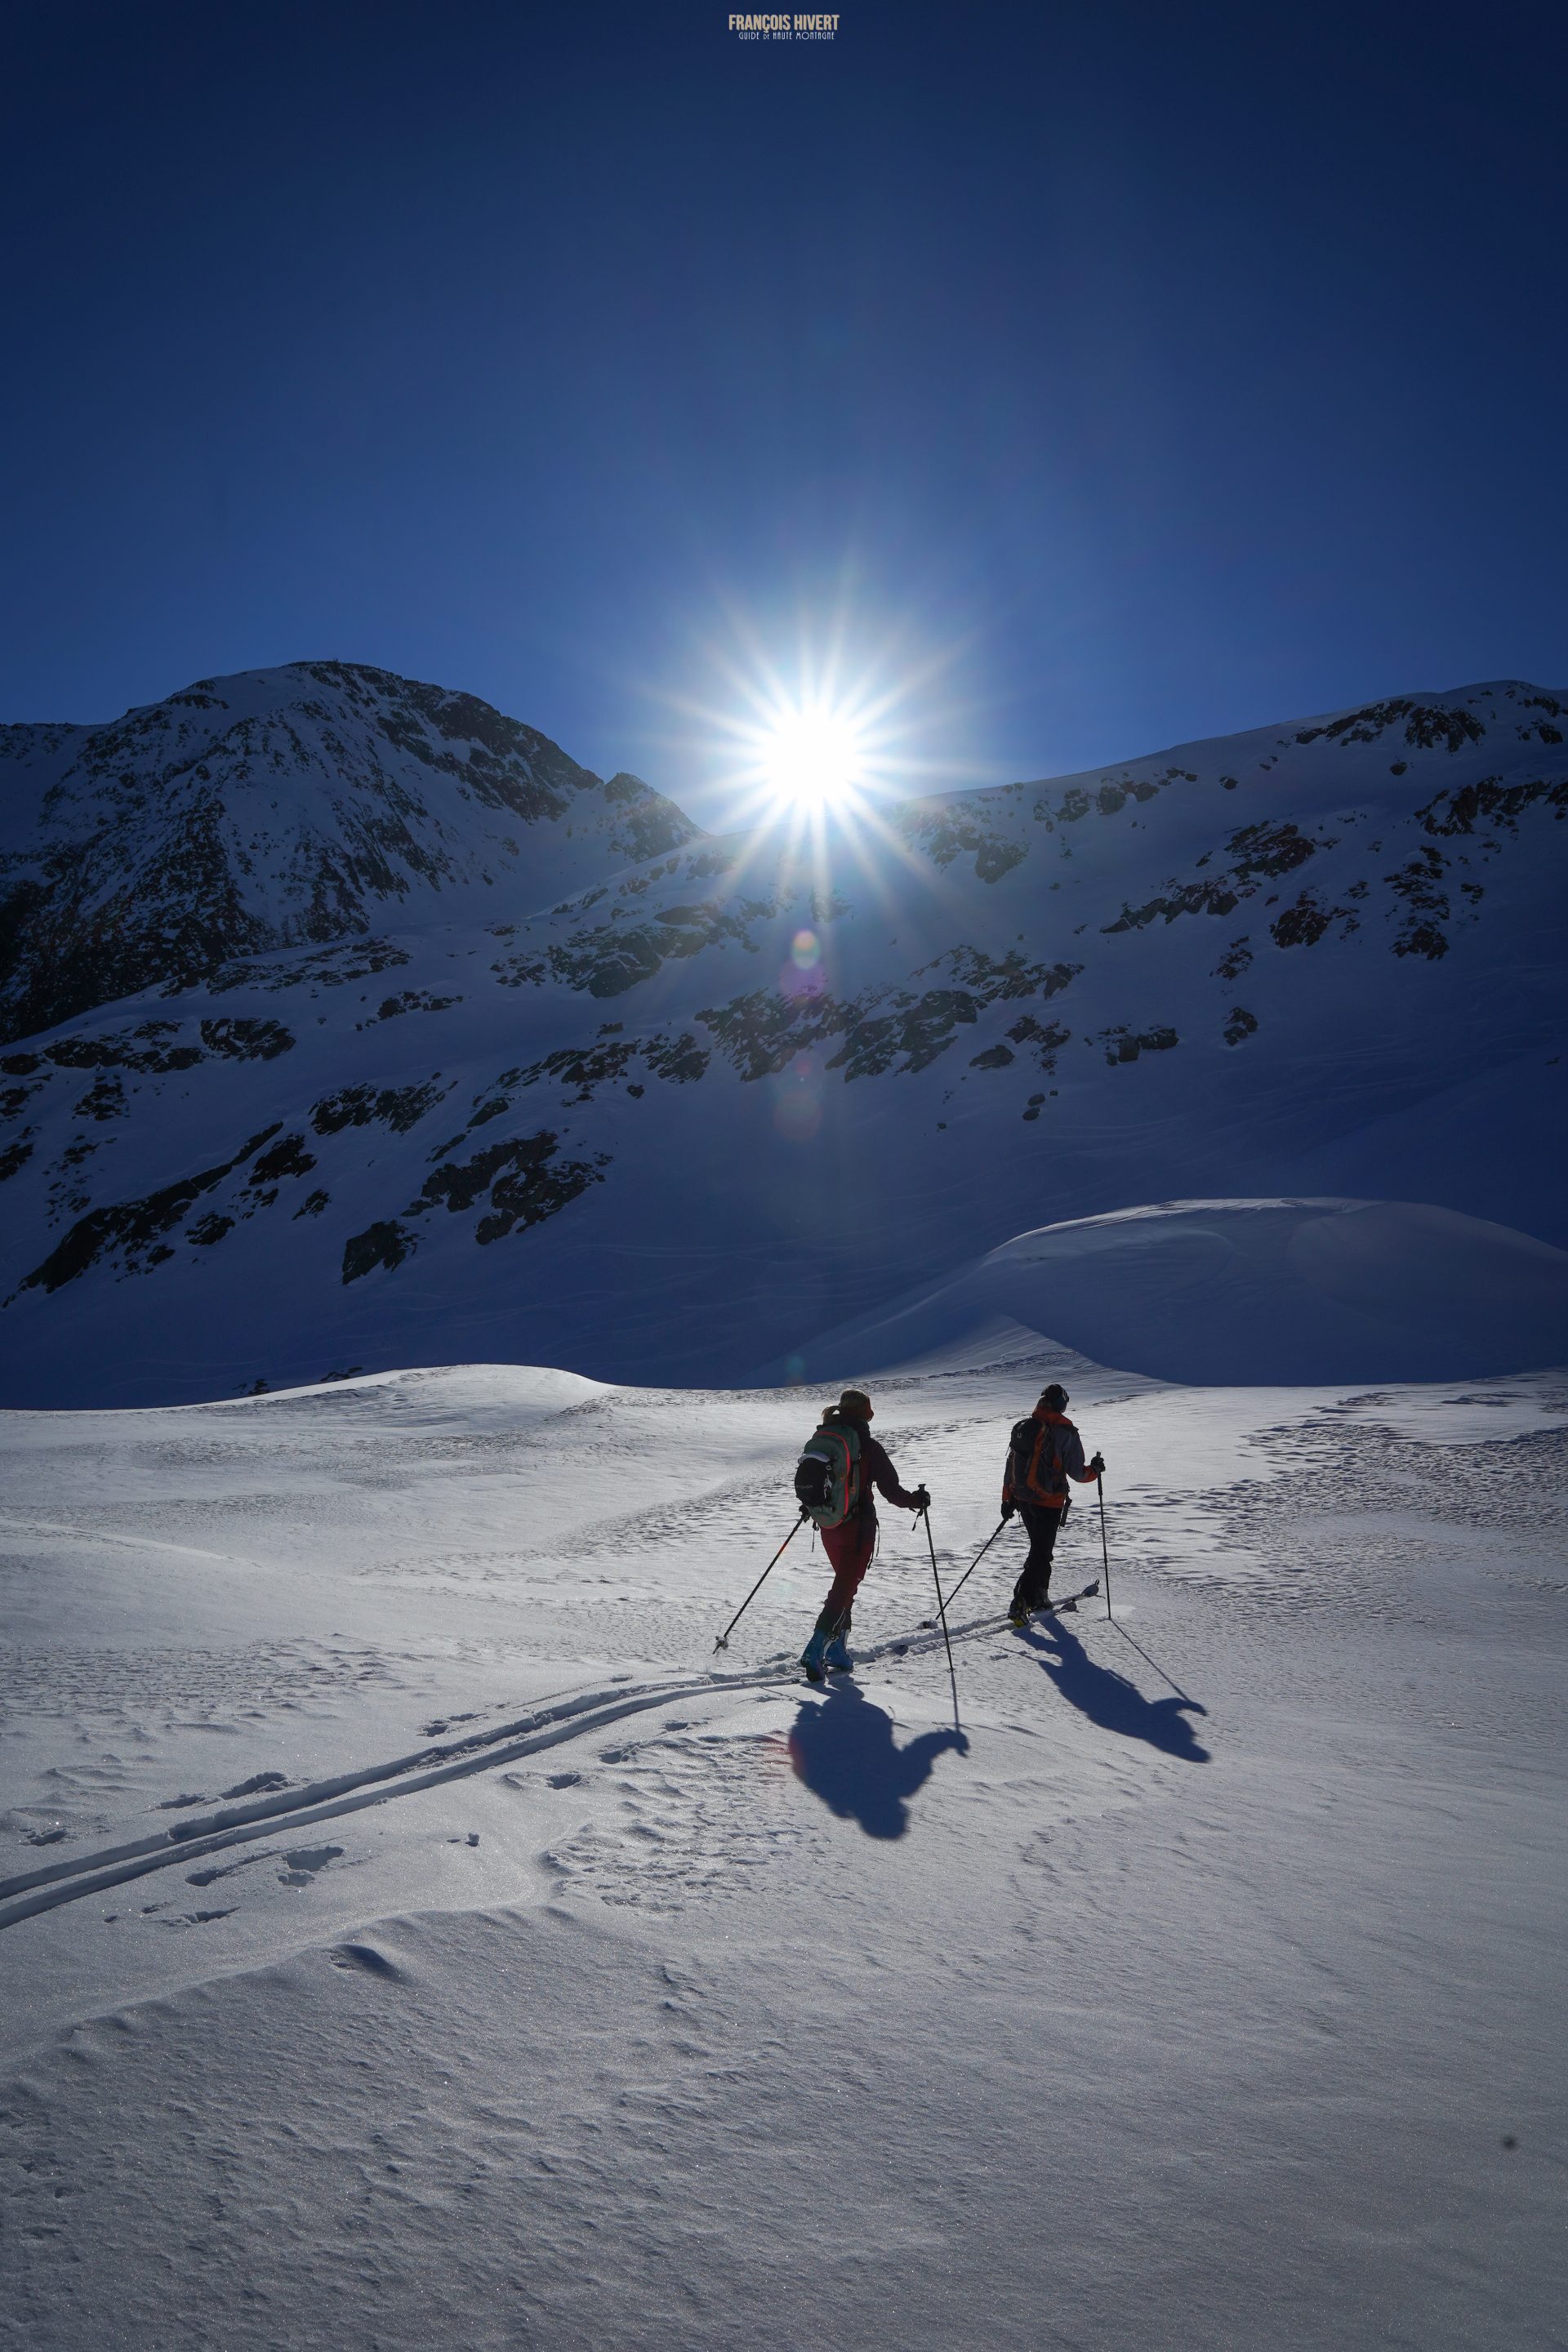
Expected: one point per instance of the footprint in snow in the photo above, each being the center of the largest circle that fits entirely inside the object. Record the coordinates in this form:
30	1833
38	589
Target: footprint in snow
261	1784
696	1818
228	1869
302	1865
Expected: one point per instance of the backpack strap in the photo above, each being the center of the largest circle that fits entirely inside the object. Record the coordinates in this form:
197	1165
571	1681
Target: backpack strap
849	1436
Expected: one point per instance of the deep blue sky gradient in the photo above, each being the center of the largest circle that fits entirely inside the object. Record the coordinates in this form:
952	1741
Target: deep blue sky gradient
1155	370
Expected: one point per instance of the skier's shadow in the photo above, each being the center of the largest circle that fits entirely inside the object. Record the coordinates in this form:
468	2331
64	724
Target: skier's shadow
1108	1699
843	1749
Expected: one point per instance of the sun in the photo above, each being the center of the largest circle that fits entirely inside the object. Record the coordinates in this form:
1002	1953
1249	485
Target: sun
812	758
817	735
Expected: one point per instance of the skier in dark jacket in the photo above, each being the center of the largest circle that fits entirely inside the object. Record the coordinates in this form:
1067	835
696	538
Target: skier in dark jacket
1043	1453
849	1547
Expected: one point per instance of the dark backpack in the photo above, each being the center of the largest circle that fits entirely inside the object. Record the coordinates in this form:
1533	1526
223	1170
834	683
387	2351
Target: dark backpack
828	1475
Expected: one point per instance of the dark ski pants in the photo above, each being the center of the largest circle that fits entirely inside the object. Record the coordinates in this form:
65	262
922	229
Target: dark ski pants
849	1549
1042	1526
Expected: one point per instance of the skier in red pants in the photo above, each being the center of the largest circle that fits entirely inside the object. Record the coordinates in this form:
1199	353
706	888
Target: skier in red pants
850	1545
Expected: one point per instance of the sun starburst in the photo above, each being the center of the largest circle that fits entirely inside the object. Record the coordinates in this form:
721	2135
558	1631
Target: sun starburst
812	758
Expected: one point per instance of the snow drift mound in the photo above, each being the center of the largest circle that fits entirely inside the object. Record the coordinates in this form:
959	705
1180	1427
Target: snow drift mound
1247	1292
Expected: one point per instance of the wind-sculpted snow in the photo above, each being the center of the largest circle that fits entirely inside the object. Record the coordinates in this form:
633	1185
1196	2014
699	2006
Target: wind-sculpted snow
1255	1291
559	1076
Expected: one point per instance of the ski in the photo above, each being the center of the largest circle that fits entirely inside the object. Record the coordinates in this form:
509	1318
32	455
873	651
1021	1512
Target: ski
818	1675
1067	1600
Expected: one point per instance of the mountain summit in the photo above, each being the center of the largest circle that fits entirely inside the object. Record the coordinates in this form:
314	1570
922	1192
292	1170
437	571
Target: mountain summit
351	1024
282	808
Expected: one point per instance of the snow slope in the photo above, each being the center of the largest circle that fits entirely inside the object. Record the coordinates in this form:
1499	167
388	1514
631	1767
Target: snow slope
496	1103
1259	1291
411	1932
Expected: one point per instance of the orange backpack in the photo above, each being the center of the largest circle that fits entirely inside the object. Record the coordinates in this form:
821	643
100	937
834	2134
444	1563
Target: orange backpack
1034	1470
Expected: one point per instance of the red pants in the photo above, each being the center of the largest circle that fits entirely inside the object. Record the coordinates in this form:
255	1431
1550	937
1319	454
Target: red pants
849	1549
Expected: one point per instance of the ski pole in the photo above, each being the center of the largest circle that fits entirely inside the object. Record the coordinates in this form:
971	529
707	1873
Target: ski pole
723	1640
1104	1549
977	1560
942	1615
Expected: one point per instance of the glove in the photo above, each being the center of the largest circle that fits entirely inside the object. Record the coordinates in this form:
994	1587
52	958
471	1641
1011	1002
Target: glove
922	1500
1097	1464
1008	1509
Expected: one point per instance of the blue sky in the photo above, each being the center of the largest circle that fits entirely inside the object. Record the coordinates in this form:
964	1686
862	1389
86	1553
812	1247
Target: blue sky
1104	375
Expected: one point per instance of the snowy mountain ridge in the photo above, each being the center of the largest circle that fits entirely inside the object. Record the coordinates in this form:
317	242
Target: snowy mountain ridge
277	809
467	1071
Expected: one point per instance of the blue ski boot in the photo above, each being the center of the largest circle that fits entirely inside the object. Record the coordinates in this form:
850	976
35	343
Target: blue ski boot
811	1656
838	1659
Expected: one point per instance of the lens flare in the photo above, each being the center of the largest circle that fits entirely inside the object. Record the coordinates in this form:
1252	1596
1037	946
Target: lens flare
797	1103
797	1117
803	974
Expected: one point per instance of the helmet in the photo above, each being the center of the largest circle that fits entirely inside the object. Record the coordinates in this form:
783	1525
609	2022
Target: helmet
1055	1398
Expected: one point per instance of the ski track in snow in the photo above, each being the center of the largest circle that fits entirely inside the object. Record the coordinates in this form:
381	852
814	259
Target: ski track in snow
43	1889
